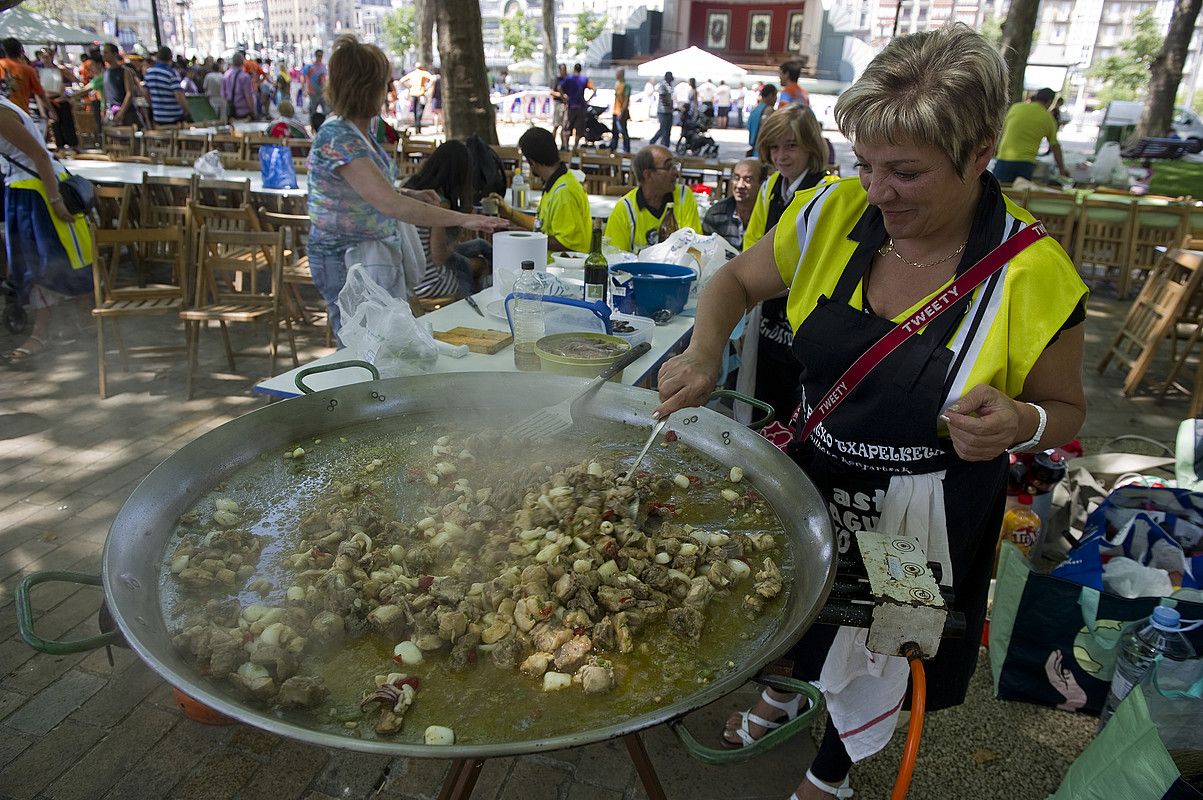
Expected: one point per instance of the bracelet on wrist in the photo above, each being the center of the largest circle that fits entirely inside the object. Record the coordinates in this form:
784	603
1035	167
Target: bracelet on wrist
1031	444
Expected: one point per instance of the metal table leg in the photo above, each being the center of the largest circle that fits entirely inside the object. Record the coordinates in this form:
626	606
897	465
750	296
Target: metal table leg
643	765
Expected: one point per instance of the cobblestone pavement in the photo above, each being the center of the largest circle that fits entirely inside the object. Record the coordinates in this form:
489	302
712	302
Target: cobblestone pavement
77	727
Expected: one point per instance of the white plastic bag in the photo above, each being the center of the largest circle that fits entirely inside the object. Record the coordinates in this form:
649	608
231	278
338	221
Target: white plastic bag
688	248
209	165
1128	578
1109	167
381	329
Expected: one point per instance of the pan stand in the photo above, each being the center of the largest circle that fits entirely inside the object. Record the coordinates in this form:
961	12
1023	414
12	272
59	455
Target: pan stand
461	780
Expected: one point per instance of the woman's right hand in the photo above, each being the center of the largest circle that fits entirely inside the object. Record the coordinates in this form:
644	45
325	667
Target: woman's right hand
503	208
685	380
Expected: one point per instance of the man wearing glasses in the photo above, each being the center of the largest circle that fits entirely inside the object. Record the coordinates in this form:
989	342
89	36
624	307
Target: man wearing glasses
635	222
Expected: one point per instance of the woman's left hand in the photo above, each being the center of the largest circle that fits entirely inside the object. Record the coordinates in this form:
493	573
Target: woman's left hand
479	222
983	423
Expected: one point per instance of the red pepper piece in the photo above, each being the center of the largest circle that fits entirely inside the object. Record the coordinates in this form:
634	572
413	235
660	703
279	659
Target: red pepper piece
671	436
411	680
694	480
425	582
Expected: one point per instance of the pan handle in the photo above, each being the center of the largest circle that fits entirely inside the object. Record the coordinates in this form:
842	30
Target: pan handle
755	424
54	647
315	370
711	755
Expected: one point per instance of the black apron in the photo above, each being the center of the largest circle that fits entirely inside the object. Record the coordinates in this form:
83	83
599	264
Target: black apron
888	426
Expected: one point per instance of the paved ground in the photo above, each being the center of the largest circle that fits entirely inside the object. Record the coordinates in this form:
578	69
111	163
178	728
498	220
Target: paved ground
76	727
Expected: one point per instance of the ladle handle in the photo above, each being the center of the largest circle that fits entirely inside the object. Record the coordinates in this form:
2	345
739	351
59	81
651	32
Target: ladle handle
804	720
54	647
755	424
299	380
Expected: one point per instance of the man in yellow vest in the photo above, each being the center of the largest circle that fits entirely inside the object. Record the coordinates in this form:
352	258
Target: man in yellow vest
635	222
1026	126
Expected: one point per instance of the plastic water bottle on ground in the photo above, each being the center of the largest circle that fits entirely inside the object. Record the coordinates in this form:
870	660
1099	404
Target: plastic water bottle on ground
527	313
1140	647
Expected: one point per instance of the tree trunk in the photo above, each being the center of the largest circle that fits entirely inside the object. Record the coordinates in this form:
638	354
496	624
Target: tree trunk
424	14
550	73
1166	71
1017	42
467	108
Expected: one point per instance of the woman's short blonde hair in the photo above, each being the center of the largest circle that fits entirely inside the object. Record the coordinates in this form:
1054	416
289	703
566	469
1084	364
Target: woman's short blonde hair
359	76
946	88
797	123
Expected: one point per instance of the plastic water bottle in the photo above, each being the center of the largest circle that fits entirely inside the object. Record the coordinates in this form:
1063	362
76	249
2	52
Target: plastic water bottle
527	312
518	190
1140	646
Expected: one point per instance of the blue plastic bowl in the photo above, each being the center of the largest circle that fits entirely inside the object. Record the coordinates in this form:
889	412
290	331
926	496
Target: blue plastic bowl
653	288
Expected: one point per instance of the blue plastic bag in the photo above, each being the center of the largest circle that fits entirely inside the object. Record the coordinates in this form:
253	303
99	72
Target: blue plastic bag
1153	526
276	167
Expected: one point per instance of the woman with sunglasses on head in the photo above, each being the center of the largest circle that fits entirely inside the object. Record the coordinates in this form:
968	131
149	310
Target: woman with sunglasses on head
988	361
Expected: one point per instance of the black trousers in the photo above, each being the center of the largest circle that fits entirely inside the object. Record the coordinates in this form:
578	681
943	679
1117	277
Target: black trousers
64	129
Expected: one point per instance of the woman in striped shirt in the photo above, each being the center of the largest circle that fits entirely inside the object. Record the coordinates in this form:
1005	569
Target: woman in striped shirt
448	171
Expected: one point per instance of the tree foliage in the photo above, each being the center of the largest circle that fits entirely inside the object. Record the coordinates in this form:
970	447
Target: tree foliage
519	35
1124	75
992	30
400	30
70	11
589	27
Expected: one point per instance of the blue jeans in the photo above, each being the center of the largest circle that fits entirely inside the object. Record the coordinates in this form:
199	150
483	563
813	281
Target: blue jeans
666	130
620	129
1008	171
329	269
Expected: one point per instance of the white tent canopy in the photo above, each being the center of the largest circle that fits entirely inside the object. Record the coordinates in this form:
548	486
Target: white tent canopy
35	30
692	62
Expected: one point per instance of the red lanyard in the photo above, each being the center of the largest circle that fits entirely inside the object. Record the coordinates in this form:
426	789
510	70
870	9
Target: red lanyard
961	287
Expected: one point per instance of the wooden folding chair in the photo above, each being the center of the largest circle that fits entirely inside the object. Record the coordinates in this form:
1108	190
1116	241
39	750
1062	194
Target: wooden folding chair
115	299
229	290
1159	307
162	202
159	144
1153	227
92	156
1058	211
1103	242
233	144
113	206
1017	196
191	146
221	193
597	184
296	274
120	140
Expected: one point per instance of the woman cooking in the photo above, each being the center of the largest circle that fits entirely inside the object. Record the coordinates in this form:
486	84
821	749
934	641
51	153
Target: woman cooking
791	142
351	196
928	429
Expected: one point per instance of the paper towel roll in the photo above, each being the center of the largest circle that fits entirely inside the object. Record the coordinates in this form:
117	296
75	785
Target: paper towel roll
510	249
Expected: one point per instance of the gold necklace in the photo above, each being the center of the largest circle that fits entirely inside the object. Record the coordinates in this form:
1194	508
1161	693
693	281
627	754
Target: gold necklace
888	248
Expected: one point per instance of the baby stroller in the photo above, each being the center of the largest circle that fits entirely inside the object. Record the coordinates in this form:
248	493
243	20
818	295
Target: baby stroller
694	140
595	130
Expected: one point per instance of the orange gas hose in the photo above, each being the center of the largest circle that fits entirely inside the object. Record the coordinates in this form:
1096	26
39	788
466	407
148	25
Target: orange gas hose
914	731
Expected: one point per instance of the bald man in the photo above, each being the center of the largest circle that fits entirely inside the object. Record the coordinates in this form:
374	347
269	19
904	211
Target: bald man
729	216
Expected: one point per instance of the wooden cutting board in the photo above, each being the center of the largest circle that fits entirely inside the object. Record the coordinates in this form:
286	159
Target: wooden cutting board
478	340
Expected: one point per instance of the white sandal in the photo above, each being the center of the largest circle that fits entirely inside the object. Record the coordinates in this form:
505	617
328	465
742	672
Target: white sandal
790	707
844	790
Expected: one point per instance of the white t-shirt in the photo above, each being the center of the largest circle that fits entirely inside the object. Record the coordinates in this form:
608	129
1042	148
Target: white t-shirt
10	150
706	92
722	95
213	84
